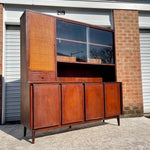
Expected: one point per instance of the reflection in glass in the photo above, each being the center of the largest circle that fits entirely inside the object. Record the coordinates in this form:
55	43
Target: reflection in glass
81	43
71	49
104	53
101	37
66	30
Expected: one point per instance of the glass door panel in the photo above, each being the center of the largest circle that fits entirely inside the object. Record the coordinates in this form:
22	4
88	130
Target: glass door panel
84	44
100	46
101	37
101	54
71	42
75	51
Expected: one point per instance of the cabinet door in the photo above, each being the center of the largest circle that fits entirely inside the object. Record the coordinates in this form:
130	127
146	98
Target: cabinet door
94	101
46	104
41	47
112	99
72	103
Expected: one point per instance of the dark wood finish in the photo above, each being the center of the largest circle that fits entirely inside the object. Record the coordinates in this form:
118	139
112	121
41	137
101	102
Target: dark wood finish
25	105
78	79
25	87
72	103
118	120
33	136
25	131
94	101
112	99
106	72
46	105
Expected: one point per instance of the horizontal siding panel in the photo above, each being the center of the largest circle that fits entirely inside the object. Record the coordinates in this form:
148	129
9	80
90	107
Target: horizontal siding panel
11	84
13	111
12	118
145	67
14	48
13	54
12	74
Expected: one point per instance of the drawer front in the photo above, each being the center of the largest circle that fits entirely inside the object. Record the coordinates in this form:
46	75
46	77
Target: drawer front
112	99
46	104
94	101
72	103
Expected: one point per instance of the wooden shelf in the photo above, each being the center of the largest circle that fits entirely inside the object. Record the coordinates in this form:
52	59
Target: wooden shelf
86	63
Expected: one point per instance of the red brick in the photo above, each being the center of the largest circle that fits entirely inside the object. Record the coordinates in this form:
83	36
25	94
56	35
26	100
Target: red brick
128	64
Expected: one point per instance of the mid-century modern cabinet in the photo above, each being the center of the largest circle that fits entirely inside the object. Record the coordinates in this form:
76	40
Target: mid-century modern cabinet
68	74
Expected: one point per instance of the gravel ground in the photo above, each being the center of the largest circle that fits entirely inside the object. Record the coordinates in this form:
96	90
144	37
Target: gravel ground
132	134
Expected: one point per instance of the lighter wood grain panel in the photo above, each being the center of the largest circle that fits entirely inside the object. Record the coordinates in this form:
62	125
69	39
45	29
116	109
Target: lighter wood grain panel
41	43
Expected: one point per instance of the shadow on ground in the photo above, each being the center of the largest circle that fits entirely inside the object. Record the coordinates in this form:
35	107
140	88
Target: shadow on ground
16	130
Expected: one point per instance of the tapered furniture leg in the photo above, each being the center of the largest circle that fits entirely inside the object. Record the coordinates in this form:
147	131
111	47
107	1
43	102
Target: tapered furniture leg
103	120
33	136
25	131
118	120
69	126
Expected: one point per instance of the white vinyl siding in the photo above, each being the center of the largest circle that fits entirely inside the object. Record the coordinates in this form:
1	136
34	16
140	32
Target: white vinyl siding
12	73
145	66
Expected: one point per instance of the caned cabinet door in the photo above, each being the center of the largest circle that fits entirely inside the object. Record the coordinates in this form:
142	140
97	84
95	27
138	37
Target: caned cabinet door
112	99
94	101
41	47
46	104
72	103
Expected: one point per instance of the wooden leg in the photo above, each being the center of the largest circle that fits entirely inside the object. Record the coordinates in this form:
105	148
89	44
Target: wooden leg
25	131
33	136
103	120
118	120
69	126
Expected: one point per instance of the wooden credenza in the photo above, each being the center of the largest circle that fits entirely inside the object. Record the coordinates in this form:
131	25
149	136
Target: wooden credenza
68	91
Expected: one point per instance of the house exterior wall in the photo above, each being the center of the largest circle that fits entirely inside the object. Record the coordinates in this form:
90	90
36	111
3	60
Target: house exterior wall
1	53
128	63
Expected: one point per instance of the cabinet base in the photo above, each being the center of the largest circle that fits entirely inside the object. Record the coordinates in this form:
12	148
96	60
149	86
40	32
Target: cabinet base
35	130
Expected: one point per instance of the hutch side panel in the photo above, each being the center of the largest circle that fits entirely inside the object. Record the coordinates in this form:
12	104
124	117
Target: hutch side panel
41	47
72	103
25	87
25	105
112	99
94	101
46	104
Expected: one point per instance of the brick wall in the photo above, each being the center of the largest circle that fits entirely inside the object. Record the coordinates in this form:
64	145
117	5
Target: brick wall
1	48
128	60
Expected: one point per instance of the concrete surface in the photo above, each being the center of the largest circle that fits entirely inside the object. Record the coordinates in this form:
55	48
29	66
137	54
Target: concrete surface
133	134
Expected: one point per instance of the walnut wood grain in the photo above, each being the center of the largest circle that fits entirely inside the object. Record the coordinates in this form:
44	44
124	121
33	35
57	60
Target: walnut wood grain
72	103
112	99
94	101
46	105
